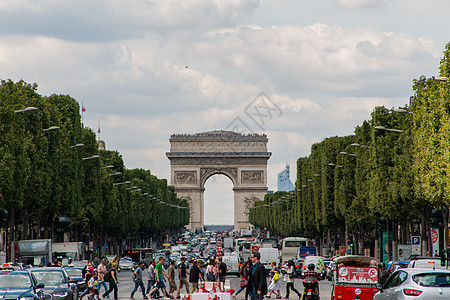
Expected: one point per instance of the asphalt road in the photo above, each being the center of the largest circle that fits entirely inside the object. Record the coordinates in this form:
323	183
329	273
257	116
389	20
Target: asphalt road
126	285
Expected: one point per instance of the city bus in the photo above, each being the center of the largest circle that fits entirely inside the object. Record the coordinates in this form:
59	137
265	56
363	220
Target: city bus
139	254
290	246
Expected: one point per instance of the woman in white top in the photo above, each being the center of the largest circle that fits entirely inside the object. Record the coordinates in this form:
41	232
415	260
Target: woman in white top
291	279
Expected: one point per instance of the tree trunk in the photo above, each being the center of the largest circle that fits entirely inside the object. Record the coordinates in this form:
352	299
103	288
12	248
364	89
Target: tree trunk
388	241
26	223
11	235
445	216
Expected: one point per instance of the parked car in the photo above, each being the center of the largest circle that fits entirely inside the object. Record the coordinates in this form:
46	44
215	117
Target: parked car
416	283
58	284
20	285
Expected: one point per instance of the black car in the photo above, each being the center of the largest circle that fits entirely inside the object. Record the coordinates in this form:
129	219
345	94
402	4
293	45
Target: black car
76	274
58	284
20	285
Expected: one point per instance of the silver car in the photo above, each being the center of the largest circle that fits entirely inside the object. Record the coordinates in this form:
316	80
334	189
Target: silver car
126	263
416	284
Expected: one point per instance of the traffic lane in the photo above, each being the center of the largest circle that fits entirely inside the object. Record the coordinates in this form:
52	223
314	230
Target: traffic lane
126	285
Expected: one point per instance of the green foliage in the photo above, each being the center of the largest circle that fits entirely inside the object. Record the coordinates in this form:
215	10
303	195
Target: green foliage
43	176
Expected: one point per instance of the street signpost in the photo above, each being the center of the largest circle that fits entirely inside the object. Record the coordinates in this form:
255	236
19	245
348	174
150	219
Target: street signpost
415	245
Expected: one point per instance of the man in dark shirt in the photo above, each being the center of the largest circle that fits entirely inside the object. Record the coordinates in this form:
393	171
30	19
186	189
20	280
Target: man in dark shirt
195	276
183	277
222	274
257	282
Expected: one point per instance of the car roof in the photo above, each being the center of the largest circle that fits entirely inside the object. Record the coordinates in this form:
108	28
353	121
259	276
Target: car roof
357	259
46	269
414	271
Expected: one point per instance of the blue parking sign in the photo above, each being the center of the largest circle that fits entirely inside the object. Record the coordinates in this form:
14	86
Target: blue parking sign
415	240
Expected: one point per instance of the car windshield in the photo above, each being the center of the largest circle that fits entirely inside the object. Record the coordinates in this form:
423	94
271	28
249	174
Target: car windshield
74	272
432	279
49	277
79	263
15	281
125	260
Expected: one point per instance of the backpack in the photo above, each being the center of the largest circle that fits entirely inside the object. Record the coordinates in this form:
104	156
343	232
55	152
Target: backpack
107	276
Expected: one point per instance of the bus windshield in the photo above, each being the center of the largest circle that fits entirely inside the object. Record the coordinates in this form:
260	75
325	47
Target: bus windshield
295	244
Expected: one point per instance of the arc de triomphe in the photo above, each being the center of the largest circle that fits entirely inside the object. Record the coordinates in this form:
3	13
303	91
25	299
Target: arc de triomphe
241	157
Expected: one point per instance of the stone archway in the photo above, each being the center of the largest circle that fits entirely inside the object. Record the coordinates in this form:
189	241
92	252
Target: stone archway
241	157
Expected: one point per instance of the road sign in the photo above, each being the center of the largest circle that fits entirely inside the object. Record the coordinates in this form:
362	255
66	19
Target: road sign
415	245
324	246
255	248
415	240
349	242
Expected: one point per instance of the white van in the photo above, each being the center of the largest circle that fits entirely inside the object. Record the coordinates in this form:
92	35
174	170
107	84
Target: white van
232	263
269	255
318	263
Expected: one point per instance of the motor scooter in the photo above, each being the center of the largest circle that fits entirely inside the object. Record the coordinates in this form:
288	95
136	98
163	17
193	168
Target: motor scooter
310	288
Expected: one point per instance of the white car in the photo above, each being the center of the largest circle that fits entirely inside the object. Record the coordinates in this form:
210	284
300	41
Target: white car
126	263
416	283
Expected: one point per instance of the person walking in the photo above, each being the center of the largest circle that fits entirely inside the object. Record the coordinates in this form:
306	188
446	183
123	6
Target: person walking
195	276
257	282
159	275
222	274
101	269
275	282
182	275
171	277
291	280
113	280
138	281
87	276
210	271
244	272
151	278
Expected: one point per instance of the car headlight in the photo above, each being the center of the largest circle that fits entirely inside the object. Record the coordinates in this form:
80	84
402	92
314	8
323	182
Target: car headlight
60	294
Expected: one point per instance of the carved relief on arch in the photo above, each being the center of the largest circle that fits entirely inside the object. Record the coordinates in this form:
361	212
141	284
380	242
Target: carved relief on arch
252	176
249	201
205	173
185	176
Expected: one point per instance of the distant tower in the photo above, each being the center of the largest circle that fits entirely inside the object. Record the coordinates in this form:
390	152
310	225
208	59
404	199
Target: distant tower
284	180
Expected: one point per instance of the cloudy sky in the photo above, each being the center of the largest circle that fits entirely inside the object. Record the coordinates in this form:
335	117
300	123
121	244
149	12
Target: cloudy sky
145	69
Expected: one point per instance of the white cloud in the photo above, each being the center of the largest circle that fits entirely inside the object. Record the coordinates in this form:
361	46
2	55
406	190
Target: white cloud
148	69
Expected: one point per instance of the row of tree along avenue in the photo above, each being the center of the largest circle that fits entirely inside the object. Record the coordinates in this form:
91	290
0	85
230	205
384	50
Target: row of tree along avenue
383	184
56	183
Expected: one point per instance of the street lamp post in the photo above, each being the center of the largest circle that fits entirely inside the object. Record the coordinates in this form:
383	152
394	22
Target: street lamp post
91	157
77	145
52	128
388	129
29	108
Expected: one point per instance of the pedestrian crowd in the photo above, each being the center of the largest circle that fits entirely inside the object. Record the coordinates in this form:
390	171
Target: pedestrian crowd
164	284
98	278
